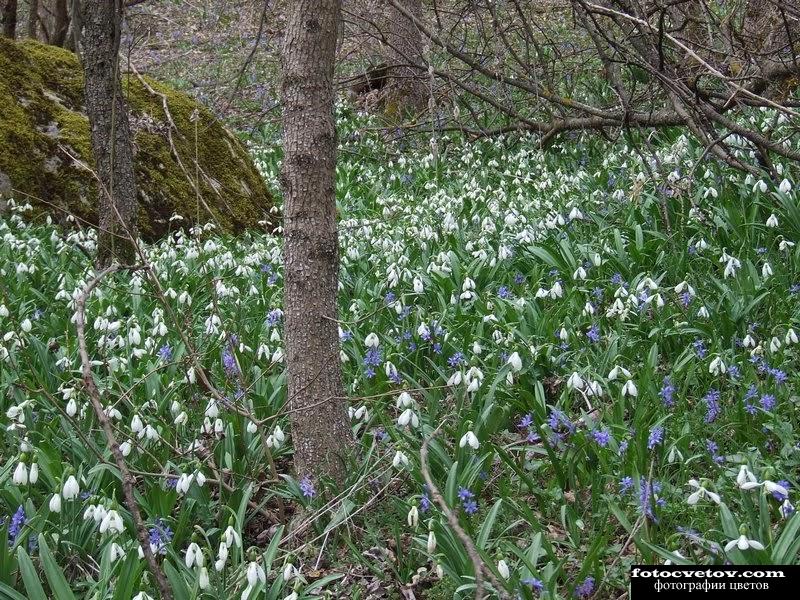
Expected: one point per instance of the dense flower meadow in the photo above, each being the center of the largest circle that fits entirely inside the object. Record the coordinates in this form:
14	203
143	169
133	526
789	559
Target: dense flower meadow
598	345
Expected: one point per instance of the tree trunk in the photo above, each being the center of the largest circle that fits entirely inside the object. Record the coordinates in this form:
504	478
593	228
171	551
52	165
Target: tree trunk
8	15
111	135
54	20
320	427
33	19
406	92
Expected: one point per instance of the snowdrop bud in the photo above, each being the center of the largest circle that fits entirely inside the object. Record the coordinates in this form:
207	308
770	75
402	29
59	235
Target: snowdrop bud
413	517
72	407
431	542
563	335
772	221
502	568
33	477
202	579
766	270
55	503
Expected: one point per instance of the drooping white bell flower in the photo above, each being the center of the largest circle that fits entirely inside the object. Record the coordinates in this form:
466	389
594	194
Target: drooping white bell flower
502	568
743	543
515	362
194	556
629	389
702	492
255	573
20	474
71	488
772	221
112	523
413	517
469	438
575	382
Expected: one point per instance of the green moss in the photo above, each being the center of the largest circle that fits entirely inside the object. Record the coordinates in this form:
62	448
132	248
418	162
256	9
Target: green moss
42	127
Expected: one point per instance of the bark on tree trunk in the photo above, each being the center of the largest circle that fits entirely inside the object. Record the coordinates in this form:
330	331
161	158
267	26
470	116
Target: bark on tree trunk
111	135
8	15
406	92
33	19
320	429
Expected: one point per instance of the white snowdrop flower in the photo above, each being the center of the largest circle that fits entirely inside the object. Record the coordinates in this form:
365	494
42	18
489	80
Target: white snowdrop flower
255	573
748	341
785	245
112	523
588	309
423	331
702	492
212	409
760	186
125	447
593	388
575	382
289	572
703	312
743	543
26	325
275	336
502	568
72	407
745	476
408	417
556	291
455	379
418	287
413	517
677	555
772	221
71	489
278	434
371	341
730	267
232	538
580	273
55	503
470	439
476	348
181	418
20	474
222	557
710	192
575	213
785	187
116	552
292	596
404	400
194	556
251	427
136	424
774	344
150	433
774	488
400	460
617	371
563	335
766	270
791	337
515	362
3	310
33	476
541	293
277	356
629	389
717	366
142	596
200	478
202	579
431	546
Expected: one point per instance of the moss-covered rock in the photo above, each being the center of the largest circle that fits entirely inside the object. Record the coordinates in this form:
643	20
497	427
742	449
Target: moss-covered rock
187	163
